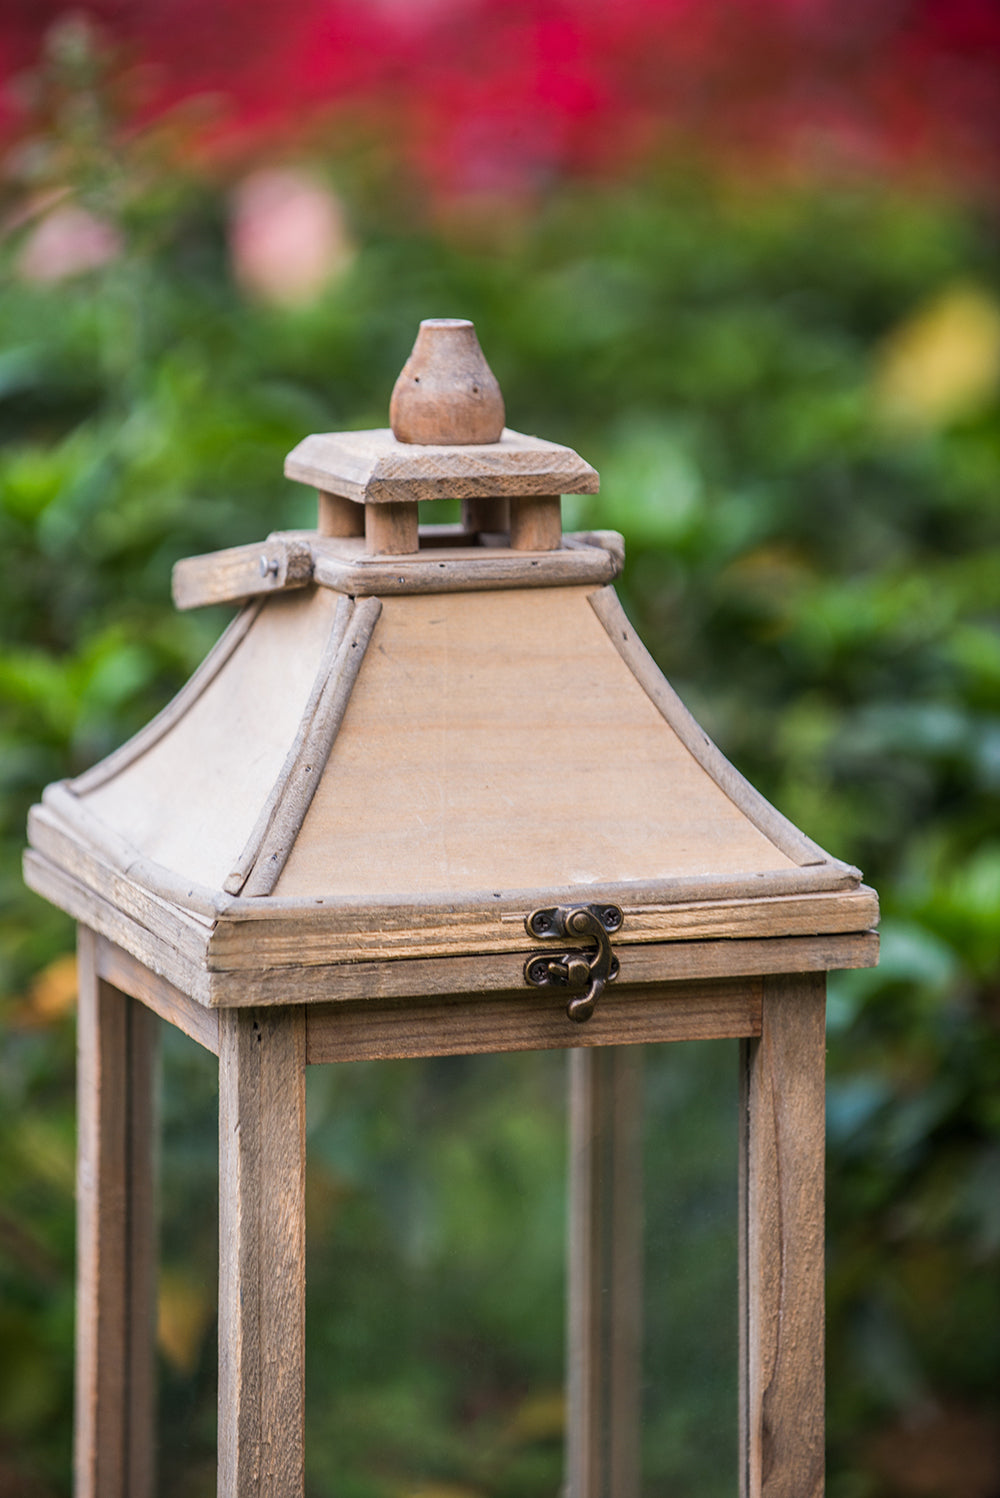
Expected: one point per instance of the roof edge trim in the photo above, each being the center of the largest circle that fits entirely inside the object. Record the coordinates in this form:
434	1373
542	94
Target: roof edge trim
134	748
785	836
285	810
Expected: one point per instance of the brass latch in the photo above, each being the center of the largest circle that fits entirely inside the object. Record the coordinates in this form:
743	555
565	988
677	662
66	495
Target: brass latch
575	969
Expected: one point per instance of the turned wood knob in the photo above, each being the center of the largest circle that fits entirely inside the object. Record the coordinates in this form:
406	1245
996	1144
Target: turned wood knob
446	392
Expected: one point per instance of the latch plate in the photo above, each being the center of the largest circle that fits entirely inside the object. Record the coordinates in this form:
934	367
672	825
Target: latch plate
575	968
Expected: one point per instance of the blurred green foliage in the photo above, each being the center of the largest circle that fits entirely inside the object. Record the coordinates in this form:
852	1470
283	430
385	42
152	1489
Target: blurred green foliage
817	572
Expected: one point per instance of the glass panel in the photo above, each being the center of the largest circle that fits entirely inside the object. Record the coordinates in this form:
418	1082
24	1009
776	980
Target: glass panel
435	1240
189	1268
690	1322
435	1279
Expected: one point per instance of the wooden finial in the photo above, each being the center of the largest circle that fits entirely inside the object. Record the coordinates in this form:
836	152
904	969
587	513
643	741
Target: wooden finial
446	392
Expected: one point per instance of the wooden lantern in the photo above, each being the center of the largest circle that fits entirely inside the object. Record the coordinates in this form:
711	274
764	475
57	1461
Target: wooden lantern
429	795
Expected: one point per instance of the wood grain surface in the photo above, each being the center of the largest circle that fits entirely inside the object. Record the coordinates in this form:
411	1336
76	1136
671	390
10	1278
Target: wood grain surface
325	934
310	752
530	1020
481	514
116	1239
250	932
261	1254
328	661
485	779
392	529
367	560
339	517
190	801
282	562
132	977
781	1269
536	523
372	467
81	902
229	641
419	977
781	832
346	566
446	391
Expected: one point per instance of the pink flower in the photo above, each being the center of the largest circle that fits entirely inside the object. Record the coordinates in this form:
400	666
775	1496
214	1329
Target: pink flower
66	242
287	236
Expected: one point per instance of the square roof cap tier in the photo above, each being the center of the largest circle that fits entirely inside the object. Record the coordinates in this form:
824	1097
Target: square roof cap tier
374	467
391	770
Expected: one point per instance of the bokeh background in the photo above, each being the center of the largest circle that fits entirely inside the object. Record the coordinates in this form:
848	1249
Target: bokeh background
743	254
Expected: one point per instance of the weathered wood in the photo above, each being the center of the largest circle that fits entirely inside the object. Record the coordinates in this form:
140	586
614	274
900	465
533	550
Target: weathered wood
309	757
331	934
639	897
60	829
261	1254
132	977
230	639
281	562
244	932
80	901
781	1269
191	801
464	784
428	976
536	523
116	1240
372	467
344	561
392	529
478	756
604	1307
446	391
527	1020
342	617
339	517
654	963
611	541
481	514
342	565
95	839
781	832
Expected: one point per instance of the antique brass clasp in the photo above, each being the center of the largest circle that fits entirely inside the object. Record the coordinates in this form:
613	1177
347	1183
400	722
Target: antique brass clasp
575	969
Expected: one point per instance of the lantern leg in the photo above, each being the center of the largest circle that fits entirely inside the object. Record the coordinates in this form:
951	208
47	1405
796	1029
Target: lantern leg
781	1248
116	1238
605	1273
261	1253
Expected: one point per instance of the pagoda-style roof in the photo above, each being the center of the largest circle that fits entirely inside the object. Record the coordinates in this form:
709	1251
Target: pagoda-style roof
412	776
389	761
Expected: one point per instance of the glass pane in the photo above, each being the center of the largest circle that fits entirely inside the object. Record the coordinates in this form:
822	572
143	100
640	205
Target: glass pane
436	1230
189	1268
435	1278
690	1322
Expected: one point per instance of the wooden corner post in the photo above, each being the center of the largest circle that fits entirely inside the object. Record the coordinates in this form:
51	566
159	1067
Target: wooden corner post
116	1238
781	1243
262	1243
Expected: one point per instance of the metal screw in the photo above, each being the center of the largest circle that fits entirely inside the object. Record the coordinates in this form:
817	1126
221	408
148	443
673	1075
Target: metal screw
538	971
268	568
611	918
